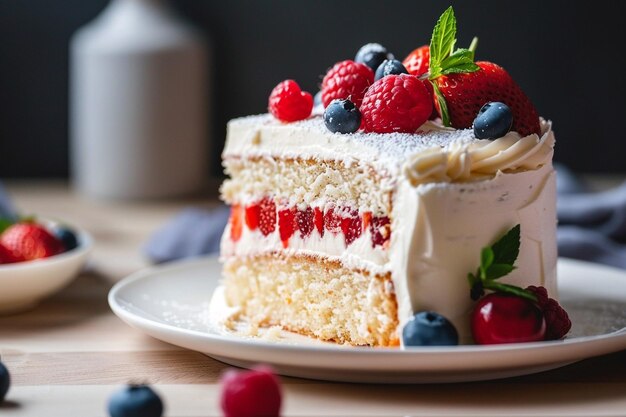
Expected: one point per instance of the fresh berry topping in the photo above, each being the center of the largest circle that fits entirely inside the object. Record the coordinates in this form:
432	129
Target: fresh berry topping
288	103
416	63
396	103
494	120
389	67
380	229
267	216
506	318
252	393
67	236
372	55
332	220
236	222
367	219
466	93
30	241
557	320
7	256
253	213
346	80
428	328
318	218
342	116
351	225
304	219
5	382
135	401
286	224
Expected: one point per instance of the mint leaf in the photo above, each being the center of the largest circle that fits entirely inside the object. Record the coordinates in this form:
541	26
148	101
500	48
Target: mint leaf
4	224
496	271
486	259
506	249
461	61
443	107
510	289
442	41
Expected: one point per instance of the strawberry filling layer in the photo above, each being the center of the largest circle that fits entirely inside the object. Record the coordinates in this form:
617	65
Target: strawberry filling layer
266	217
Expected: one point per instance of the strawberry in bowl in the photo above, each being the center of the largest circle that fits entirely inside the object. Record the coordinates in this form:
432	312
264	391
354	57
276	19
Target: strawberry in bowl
37	258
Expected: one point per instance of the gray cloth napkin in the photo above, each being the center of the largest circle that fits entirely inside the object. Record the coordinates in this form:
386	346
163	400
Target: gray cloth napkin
592	226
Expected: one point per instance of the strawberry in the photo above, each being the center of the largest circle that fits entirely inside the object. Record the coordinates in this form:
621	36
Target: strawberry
380	229
332	220
30	241
304	219
253	211
351	226
318	219
286	224
461	86
466	93
236	223
416	63
267	216
7	257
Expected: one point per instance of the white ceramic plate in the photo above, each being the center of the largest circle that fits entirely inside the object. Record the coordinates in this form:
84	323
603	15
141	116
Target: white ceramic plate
24	284
171	303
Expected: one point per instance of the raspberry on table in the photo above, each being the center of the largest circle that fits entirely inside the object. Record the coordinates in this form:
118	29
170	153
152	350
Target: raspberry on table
289	103
396	103
557	320
346	80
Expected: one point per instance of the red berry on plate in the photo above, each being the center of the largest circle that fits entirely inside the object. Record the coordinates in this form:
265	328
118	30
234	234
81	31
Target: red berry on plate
557	320
30	241
286	224
346	80
396	103
505	318
466	93
351	225
6	256
288	103
267	216
304	219
254	393
236	222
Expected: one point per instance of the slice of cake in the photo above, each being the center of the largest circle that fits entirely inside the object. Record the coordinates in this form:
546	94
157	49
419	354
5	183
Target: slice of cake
345	225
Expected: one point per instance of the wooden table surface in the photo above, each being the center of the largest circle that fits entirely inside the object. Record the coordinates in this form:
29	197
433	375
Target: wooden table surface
70	353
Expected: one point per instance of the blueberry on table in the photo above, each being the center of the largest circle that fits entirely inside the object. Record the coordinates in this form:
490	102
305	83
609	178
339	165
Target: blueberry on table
135	401
494	120
5	381
389	67
428	328
68	237
372	55
342	116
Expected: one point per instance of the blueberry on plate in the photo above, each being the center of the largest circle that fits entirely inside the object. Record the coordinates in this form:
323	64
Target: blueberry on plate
135	401
342	116
372	55
389	67
494	120
428	328
68	237
5	381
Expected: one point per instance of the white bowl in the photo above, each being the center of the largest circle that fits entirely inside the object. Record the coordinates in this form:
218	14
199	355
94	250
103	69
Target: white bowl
24	284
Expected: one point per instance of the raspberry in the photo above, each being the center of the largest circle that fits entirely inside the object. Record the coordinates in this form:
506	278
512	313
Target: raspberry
380	230
346	80
557	320
332	221
351	225
267	216
253	393
304	218
288	103
396	103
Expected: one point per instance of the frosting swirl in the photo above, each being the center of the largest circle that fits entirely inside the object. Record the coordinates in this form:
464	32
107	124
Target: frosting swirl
459	162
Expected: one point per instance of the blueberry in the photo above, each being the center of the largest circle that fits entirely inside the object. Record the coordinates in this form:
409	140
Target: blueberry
68	237
388	67
342	116
372	55
494	120
428	328
5	381
135	401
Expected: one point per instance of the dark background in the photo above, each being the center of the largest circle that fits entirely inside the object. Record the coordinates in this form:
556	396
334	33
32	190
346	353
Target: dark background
567	56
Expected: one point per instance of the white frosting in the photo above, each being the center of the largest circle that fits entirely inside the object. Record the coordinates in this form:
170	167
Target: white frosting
453	194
